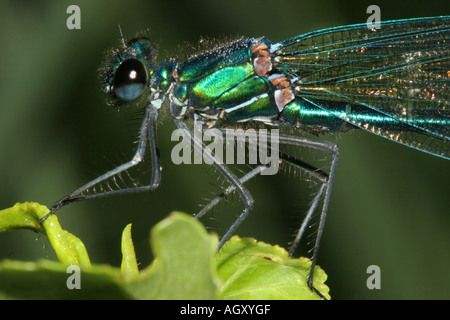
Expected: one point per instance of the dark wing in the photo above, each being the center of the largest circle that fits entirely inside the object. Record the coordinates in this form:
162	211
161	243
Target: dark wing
401	70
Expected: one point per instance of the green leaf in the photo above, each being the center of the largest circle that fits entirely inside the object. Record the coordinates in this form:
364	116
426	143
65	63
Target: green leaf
129	266
76	248
22	216
186	265
184	268
68	248
256	270
46	279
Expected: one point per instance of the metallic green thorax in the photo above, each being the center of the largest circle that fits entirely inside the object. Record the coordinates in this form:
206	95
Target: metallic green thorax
223	84
227	84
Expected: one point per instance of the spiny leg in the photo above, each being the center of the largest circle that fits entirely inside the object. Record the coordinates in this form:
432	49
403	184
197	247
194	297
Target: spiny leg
227	173
249	175
326	187
319	174
147	134
326	179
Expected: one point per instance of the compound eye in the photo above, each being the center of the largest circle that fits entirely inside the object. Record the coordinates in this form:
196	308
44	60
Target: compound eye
130	80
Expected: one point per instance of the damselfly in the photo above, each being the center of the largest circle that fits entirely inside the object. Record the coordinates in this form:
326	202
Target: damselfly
390	81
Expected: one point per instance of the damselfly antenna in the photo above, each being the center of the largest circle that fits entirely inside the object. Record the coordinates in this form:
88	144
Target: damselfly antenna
121	36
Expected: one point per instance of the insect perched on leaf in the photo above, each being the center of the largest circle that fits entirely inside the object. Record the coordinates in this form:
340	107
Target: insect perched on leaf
392	81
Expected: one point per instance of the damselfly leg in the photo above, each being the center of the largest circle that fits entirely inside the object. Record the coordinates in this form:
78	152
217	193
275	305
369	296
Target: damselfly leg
324	192
148	136
227	174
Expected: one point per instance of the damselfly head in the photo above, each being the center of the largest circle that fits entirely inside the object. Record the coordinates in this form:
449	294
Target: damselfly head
127	70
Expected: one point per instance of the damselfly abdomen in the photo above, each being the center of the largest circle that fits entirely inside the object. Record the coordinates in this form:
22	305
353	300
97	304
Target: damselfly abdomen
390	81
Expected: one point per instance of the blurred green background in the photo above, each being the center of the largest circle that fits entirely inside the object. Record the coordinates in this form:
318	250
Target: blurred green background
390	204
